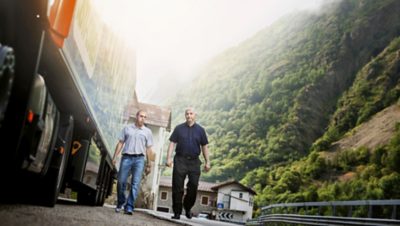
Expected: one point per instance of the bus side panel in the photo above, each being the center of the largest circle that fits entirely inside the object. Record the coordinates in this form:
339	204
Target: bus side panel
22	31
77	163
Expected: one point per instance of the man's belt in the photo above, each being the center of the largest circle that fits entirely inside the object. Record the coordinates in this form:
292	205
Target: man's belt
188	157
133	155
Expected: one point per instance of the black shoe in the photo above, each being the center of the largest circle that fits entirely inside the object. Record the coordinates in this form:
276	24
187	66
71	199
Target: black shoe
189	214
176	216
128	212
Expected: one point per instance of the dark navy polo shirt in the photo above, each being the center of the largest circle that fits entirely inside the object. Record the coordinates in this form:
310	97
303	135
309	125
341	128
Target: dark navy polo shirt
189	139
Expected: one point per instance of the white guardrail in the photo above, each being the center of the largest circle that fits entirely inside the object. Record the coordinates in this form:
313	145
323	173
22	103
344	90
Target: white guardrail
377	213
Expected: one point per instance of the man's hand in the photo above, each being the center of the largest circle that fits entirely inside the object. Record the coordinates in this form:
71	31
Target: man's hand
171	147
118	148
148	169
207	167
169	162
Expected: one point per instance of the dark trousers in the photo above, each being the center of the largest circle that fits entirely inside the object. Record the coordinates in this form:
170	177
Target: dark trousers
183	167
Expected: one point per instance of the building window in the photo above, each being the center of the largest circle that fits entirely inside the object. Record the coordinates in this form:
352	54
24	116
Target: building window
204	200
164	195
251	201
240	195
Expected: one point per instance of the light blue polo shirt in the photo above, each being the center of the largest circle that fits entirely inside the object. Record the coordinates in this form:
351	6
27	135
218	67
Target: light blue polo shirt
136	139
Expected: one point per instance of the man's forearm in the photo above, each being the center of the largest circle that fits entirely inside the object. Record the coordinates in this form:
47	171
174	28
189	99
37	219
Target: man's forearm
205	153
169	154
117	150
207	166
170	150
149	155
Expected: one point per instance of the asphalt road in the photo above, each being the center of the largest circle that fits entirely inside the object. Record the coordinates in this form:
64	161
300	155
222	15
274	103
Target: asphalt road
194	221
66	214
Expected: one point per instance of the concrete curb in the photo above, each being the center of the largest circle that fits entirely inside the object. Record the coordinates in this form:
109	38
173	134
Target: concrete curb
152	213
155	215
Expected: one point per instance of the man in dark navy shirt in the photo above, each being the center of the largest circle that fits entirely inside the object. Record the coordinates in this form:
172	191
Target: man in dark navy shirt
190	139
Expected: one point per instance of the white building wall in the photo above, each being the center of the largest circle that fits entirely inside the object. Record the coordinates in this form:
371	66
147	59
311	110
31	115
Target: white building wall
223	196
157	162
228	196
149	187
238	203
249	213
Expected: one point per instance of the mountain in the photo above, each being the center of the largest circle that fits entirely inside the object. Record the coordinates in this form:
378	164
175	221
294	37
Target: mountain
274	105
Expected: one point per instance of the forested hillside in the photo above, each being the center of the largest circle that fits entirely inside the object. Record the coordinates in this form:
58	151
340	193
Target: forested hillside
273	105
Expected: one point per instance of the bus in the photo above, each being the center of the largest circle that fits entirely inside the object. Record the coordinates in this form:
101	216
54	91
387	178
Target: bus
66	79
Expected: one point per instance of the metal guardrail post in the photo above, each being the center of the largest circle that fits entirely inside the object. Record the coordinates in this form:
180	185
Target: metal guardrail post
394	212
350	213
370	211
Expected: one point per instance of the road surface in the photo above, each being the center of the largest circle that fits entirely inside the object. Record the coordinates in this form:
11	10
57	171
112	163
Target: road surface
67	213
194	221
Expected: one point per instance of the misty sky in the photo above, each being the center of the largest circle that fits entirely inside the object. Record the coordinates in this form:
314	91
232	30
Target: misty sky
174	37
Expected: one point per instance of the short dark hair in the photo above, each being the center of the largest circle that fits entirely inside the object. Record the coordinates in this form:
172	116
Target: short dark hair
138	112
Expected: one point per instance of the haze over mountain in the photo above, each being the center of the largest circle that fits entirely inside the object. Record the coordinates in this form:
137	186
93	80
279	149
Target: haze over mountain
174	38
274	105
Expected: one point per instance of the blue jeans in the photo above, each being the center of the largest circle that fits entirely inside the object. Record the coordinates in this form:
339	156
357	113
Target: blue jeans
129	165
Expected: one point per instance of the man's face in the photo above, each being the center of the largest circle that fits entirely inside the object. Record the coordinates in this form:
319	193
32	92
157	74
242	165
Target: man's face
190	116
140	118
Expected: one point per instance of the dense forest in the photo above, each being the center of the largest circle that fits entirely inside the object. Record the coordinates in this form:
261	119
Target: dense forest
275	106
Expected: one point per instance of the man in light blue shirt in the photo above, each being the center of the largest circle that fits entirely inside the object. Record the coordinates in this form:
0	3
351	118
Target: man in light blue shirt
135	142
